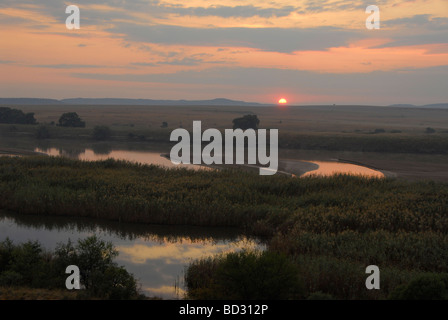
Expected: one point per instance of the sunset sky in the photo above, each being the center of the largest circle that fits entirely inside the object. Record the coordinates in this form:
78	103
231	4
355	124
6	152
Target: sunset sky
309	52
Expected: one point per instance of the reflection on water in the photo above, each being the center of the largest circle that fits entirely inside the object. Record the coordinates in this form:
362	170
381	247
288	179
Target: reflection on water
143	157
156	255
328	168
295	167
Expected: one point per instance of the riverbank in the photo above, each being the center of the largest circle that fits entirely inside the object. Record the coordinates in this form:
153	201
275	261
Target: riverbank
18	152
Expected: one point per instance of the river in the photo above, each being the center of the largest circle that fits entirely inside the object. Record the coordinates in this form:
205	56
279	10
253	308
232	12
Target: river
288	166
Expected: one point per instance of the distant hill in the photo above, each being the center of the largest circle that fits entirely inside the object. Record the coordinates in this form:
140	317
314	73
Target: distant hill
26	101
428	106
133	102
151	102
403	105
436	105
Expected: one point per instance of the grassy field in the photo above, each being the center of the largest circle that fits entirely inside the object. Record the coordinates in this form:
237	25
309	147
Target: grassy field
298	119
391	139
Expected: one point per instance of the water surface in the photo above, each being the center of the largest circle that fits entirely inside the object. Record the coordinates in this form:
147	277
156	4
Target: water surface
143	157
156	255
329	168
292	166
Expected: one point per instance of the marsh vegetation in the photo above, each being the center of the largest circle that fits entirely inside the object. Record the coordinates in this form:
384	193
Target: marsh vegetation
330	228
323	230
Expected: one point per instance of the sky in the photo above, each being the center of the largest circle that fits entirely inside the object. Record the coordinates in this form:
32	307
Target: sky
309	52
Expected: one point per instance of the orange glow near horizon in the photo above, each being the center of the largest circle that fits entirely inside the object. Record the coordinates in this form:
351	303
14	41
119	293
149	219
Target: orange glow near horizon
117	57
282	101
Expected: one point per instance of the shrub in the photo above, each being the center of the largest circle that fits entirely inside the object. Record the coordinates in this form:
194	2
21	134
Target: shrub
426	287
28	266
71	119
320	296
10	278
244	275
114	283
99	274
42	132
246	122
101	133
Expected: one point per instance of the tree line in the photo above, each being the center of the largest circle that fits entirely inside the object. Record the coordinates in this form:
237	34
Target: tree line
28	265
15	116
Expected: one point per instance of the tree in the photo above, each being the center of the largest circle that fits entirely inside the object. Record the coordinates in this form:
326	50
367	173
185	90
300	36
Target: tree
100	275
14	116
71	119
94	255
246	122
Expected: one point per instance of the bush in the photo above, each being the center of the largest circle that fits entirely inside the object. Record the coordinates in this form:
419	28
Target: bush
71	119
101	133
426	287
320	296
22	264
246	122
114	283
27	262
27	265
10	278
244	275
42	132
99	274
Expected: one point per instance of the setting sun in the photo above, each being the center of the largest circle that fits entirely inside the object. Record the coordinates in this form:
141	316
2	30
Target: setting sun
282	101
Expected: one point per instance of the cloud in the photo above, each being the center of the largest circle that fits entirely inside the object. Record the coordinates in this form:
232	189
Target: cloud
270	39
420	86
419	21
314	6
311	45
67	66
144	64
237	11
183	62
419	29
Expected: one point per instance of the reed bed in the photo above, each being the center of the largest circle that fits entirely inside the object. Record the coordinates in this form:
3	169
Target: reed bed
332	227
